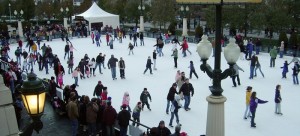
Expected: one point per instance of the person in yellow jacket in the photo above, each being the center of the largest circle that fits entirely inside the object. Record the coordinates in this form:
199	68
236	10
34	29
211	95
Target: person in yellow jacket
34	49
120	36
248	95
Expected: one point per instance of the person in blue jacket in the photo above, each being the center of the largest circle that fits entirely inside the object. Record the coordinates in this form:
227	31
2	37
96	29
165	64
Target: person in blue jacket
278	100
254	101
285	69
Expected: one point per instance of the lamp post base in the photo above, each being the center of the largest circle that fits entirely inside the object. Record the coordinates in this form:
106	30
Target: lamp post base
184	27
141	23
215	116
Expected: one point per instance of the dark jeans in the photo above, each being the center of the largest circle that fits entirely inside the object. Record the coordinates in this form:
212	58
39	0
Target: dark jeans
123	131
272	62
172	117
252	118
147	103
136	120
193	71
92	71
92	129
147	69
122	73
233	80
98	65
175	62
74	124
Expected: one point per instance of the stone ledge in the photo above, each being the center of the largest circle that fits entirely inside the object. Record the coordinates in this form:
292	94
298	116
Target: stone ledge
8	123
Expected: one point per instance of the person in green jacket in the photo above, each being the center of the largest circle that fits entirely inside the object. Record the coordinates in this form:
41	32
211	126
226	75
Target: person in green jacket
175	55
273	54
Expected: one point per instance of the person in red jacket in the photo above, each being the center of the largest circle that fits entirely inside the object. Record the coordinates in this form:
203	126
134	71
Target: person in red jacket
107	39
109	118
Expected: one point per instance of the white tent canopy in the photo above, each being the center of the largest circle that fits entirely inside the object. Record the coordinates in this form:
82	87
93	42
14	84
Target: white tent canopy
96	15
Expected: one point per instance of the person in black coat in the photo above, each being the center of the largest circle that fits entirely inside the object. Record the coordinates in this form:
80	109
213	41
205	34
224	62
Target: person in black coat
123	120
67	50
52	87
154	54
81	65
296	70
98	89
186	89
142	39
98	62
148	65
171	96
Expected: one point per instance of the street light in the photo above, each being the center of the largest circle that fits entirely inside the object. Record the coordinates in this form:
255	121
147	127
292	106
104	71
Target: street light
18	15
184	11
215	126
65	15
33	96
9	12
141	7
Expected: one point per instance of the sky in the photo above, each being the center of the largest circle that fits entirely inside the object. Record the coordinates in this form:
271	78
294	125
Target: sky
193	121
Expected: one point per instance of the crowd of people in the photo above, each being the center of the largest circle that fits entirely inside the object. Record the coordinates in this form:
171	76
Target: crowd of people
97	115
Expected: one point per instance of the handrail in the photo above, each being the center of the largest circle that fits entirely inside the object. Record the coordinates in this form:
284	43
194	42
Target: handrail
148	128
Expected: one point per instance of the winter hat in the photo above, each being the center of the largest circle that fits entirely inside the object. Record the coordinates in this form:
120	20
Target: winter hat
104	88
161	122
183	134
109	98
99	82
145	88
177	128
124	106
139	103
174	84
249	88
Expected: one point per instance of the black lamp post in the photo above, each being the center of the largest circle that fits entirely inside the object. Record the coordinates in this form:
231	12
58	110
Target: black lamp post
141	7
33	96
18	15
184	10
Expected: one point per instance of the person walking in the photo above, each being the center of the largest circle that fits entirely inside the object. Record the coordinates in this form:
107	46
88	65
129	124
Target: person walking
278	100
142	39
285	69
111	64
91	116
176	105
252	66
273	54
92	65
72	110
75	75
296	70
67	51
236	75
148	65
187	90
98	62
192	70
126	100
258	66
93	37
130	47
97	39
136	114
109	119
70	63
248	95
175	56
123	120
122	68
144	98
98	90
154	54
254	101
171	96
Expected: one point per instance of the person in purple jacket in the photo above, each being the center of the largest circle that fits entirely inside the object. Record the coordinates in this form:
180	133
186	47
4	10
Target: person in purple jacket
253	105
278	100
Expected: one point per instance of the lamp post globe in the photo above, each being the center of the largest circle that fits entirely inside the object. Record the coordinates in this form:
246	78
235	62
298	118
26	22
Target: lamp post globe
204	48
22	12
34	95
61	9
231	52
15	12
181	8
67	9
187	8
